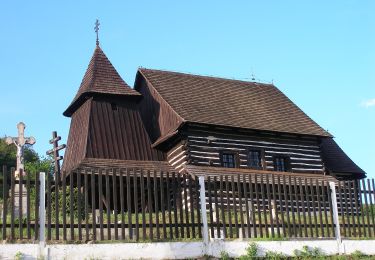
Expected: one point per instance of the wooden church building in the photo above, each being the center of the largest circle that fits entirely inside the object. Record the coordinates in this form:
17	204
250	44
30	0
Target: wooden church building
195	125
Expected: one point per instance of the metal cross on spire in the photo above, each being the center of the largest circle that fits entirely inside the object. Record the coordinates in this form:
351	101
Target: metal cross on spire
96	28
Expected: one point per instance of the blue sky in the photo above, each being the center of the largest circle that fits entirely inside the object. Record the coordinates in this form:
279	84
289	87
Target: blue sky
321	54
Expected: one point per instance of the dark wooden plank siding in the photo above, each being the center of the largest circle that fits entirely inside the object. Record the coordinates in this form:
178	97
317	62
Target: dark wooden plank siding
204	147
116	132
76	145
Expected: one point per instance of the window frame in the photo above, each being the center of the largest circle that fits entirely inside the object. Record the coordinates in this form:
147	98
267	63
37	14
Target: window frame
286	162
235	157
262	158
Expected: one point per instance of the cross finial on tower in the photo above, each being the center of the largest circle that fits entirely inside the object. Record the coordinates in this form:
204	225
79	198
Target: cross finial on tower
97	31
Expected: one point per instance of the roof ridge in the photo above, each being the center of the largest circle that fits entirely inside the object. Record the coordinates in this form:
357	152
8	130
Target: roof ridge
207	76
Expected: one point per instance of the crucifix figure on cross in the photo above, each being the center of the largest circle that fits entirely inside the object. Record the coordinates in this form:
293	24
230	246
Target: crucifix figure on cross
20	141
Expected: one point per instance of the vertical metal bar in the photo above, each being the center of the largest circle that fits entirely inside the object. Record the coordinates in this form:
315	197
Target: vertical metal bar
64	207
100	187
5	202
203	210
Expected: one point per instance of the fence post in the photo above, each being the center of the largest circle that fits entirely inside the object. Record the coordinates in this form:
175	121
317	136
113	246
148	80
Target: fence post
203	211
42	212
335	212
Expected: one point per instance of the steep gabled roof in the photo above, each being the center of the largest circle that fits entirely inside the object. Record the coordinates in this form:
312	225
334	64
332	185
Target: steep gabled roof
100	78
338	162
233	103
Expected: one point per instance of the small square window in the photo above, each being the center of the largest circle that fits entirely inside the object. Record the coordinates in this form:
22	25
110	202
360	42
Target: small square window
228	160
255	159
281	163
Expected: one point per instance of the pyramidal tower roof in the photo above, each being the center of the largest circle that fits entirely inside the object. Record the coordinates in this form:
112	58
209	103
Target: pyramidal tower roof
100	78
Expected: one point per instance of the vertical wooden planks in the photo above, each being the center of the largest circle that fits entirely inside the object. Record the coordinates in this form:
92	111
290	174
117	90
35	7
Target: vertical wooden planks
198	207
162	206
71	196
319	200
49	208
324	201
79	205
303	206
5	202
115	212
156	205
149	198
36	225
356	196
135	199
168	187
239	189
286	203
216	204
20	206
86	205
28	216
341	208
191	205
174	189
93	205
275	204
228	207
313	203
107	204
122	204
234	206
143	205
258	205
100	187
269	205
210	206
64	208
291	203
222	207
57	227
129	204
187	222
12	202
280	195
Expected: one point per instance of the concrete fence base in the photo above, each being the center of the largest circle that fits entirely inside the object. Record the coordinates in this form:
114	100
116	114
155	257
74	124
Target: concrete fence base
178	250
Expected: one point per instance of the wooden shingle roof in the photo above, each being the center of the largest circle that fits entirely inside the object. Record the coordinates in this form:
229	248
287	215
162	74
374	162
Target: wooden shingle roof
233	103
100	78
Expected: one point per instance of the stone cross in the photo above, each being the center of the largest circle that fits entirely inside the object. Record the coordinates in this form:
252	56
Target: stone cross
20	141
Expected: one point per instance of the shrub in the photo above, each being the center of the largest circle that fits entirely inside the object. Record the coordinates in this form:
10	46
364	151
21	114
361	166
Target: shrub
251	252
68	201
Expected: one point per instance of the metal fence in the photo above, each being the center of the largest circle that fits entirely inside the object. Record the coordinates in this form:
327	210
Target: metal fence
138	205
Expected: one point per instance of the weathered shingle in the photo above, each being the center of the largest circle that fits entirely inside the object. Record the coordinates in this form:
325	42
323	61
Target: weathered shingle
100	78
233	103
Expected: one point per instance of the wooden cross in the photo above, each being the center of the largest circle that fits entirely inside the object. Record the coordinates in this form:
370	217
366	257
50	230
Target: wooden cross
20	141
96	28
55	151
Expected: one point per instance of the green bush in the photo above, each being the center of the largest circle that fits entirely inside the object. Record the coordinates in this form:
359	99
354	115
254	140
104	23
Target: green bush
275	255
68	201
307	253
251	252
